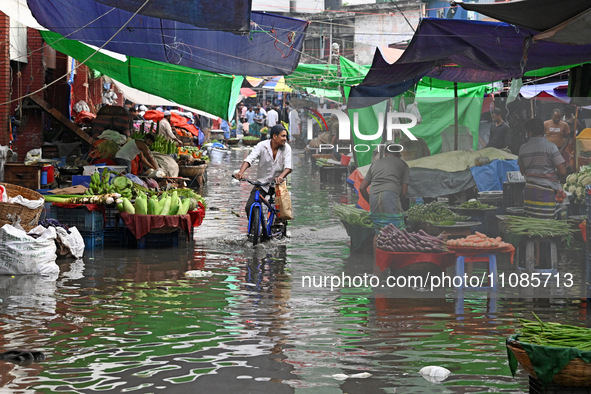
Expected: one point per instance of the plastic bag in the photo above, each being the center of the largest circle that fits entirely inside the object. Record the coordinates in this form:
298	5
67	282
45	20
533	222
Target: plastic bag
73	241
33	156
21	254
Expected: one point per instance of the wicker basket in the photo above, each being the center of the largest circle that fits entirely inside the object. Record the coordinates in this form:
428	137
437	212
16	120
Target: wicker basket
9	212
192	171
251	142
577	372
317	156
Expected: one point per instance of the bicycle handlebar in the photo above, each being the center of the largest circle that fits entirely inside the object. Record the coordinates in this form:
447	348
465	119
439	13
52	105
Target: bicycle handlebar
255	183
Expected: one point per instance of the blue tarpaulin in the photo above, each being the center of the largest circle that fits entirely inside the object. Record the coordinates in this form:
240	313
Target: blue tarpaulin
492	176
272	47
467	51
224	15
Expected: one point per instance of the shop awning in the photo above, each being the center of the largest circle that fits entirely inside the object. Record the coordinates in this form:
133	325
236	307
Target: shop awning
213	93
565	21
466	51
272	47
225	15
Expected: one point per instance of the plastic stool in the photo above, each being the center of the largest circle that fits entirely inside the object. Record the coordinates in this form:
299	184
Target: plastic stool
530	255
492	269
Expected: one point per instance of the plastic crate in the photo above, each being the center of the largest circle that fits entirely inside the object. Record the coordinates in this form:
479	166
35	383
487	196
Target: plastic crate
115	236
82	218
333	174
169	240
576	209
111	218
47	212
513	194
93	240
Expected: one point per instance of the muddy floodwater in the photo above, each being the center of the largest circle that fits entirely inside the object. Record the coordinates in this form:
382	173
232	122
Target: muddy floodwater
130	321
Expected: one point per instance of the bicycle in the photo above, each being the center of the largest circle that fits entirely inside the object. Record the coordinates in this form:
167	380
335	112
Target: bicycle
262	223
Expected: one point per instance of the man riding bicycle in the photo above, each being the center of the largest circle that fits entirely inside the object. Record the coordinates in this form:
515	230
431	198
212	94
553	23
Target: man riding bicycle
274	162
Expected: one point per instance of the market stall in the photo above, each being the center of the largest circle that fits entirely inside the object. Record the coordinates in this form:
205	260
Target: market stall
123	211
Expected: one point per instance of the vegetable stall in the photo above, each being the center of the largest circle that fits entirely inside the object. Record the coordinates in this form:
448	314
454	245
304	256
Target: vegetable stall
121	210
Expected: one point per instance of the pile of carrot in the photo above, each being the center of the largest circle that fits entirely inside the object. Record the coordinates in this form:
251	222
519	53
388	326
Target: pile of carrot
478	240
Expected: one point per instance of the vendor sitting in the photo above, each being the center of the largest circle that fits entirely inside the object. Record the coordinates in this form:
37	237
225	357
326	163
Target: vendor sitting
165	129
542	164
132	149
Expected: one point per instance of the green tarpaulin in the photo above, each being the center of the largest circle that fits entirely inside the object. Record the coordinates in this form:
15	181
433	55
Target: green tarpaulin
437	111
214	93
324	76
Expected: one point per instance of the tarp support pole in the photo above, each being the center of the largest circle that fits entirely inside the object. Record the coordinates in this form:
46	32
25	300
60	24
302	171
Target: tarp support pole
456	132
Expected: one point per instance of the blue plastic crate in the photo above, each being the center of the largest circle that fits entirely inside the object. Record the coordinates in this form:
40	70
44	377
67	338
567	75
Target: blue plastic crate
169	240
81	218
83	180
111	218
93	240
115	237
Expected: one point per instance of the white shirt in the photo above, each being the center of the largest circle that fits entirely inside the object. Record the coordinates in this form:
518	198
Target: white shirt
272	118
165	130
294	122
263	111
269	169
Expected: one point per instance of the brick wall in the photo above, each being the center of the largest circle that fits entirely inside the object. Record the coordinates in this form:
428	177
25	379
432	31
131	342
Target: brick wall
4	79
27	78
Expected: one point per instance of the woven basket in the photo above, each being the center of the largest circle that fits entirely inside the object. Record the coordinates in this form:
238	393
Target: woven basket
251	142
577	372
9	212
191	171
317	156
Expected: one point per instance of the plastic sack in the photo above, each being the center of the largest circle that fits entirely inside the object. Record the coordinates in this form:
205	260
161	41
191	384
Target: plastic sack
73	241
33	156
136	180
21	254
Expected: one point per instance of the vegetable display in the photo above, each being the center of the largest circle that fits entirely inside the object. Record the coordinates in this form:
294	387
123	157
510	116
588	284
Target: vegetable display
173	202
477	240
104	199
250	138
537	227
433	212
476	205
392	239
575	183
169	204
163	145
352	215
554	334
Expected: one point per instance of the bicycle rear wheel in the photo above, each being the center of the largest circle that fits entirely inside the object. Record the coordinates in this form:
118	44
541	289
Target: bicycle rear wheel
255	225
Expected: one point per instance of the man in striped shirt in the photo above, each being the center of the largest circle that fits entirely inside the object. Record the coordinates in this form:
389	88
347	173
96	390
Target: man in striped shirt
542	164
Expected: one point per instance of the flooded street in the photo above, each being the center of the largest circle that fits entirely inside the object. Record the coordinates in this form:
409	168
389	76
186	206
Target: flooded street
123	320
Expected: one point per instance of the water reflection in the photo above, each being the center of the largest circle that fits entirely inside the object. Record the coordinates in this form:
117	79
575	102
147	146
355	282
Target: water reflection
130	321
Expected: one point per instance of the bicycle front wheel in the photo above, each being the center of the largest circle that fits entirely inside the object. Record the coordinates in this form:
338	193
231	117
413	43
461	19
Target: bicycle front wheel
255	225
